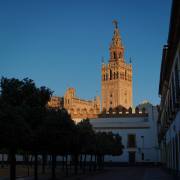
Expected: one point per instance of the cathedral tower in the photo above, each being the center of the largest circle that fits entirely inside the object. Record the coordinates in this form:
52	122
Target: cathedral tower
116	83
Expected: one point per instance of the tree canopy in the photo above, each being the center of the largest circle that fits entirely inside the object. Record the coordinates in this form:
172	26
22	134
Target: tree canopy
27	124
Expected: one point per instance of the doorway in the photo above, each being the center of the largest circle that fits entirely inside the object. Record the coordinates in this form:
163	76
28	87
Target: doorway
132	157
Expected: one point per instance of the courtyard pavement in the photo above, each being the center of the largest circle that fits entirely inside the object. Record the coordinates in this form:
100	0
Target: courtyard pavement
133	173
118	173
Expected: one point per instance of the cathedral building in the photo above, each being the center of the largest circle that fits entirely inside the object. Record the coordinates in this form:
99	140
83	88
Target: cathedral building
80	108
56	102
116	87
116	80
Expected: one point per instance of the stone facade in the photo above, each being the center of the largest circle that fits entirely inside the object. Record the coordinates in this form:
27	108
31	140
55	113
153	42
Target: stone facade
116	78
116	87
56	102
80	108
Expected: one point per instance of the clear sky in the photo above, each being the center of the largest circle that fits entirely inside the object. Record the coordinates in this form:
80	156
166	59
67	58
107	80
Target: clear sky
60	43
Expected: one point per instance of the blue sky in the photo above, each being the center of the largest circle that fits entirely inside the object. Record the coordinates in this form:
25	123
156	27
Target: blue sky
60	43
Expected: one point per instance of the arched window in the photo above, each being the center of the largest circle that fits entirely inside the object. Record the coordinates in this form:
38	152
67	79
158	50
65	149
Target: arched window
120	55
114	75
104	77
117	75
110	74
125	74
114	55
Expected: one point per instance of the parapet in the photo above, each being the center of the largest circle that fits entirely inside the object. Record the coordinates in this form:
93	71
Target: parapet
123	112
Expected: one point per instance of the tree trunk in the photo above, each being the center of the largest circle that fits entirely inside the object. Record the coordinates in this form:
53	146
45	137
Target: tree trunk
84	164
95	162
66	165
53	166
27	164
103	162
80	162
70	163
31	159
90	163
2	162
35	166
44	160
63	163
76	164
12	158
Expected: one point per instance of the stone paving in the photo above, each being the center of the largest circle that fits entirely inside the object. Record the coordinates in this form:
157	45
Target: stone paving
119	173
133	173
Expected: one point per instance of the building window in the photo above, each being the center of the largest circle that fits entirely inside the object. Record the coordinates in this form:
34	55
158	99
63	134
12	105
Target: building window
125	74
114	75
131	141
110	74
114	55
117	75
173	91
142	156
177	79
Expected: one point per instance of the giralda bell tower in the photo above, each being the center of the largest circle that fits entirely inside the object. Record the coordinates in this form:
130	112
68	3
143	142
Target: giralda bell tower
116	83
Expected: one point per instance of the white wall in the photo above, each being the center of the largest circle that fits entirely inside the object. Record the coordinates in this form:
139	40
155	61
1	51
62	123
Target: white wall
140	126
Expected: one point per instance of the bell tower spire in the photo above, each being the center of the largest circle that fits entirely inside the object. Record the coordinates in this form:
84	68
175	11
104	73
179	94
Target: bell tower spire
116	82
116	48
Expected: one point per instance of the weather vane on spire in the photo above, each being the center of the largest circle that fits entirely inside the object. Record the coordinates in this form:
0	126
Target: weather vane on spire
115	22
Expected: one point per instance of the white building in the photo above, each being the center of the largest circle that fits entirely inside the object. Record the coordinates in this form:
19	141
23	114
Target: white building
137	130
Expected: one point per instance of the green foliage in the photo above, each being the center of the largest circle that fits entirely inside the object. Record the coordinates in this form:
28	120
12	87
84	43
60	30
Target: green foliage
28	125
22	107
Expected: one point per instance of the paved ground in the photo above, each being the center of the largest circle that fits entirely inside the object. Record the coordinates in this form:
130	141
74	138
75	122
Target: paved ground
121	173
133	173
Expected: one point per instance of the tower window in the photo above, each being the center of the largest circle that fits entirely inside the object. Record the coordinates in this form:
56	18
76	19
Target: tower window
114	55
110	74
125	74
117	75
114	75
120	55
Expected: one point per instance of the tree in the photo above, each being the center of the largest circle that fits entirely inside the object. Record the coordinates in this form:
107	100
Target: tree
54	134
86	138
22	106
